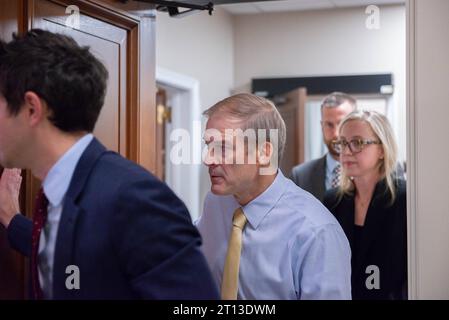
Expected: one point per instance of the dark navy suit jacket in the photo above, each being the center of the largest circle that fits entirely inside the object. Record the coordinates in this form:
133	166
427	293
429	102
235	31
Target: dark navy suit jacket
126	231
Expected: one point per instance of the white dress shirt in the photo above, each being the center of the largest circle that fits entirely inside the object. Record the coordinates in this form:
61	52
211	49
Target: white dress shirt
55	185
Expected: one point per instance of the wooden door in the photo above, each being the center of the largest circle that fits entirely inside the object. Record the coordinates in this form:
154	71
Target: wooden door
291	106
122	36
109	44
11	263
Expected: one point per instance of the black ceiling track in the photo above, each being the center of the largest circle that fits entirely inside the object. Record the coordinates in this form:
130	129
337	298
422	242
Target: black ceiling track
173	7
351	84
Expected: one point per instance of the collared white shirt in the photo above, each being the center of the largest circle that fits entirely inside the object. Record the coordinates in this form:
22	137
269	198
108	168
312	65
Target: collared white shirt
292	246
331	163
55	186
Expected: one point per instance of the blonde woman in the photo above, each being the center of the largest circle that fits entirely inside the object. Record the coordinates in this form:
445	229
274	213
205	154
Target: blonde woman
370	205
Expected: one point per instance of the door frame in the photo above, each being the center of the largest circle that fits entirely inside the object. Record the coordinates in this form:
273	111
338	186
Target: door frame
412	234
189	89
141	103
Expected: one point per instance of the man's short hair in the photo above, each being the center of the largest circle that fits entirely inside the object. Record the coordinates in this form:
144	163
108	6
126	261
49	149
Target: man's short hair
255	113
336	99
68	77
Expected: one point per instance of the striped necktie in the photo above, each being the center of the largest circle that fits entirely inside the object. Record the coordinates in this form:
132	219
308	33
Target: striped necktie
336	176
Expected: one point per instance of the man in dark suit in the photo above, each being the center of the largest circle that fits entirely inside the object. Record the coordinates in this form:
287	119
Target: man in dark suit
318	175
103	227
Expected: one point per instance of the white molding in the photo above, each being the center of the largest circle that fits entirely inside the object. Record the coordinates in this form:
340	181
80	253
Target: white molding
192	87
174	79
412	183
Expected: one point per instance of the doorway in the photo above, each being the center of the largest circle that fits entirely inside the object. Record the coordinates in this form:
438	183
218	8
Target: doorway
182	117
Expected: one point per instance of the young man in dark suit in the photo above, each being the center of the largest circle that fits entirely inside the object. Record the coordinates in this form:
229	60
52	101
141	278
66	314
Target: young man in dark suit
103	227
318	175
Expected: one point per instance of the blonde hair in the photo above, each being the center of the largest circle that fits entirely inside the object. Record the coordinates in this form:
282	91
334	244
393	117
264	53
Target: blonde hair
256	113
381	127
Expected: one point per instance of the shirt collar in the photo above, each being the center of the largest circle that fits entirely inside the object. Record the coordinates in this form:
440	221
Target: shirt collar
331	163
58	178
258	208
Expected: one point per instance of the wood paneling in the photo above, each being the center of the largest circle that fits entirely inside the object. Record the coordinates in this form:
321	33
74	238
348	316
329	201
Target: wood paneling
12	265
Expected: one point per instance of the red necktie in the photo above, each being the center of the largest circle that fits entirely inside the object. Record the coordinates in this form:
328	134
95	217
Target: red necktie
39	220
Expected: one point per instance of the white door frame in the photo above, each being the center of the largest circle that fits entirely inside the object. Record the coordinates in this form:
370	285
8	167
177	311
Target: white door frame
411	152
185	179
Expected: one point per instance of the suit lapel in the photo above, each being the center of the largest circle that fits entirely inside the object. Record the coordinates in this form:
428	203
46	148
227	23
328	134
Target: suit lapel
70	212
64	247
320	178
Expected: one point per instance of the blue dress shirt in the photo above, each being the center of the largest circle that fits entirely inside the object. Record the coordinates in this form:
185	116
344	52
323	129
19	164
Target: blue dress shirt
292	247
55	187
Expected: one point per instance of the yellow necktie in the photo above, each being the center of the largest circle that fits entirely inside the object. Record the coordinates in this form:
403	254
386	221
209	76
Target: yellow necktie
229	284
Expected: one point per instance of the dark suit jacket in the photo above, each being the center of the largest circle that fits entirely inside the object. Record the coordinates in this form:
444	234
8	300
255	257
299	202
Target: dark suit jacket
311	176
383	241
126	231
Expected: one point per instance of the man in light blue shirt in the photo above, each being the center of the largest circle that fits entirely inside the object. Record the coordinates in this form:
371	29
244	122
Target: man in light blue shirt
291	246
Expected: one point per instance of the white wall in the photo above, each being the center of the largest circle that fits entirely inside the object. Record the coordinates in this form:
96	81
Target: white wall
429	149
199	46
323	42
202	47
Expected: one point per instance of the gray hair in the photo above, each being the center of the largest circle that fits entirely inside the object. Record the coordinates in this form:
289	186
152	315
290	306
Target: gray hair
256	113
336	99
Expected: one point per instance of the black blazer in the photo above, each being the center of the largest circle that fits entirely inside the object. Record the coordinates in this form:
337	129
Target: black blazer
383	241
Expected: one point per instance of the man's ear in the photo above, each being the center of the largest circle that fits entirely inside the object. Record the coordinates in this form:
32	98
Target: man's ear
34	107
265	153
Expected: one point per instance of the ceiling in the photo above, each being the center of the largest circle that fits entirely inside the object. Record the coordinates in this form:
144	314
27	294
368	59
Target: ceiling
238	7
257	6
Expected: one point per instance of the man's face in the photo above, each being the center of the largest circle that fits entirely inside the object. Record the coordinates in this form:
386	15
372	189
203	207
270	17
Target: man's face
330	119
11	137
227	176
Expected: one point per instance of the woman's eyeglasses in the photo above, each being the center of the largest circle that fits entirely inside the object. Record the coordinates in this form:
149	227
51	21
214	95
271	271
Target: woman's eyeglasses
355	145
